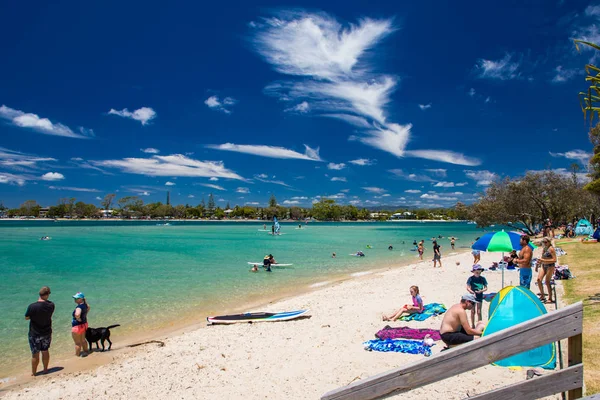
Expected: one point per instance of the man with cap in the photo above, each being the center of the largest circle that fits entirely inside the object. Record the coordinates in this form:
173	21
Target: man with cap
476	285
39	315
455	327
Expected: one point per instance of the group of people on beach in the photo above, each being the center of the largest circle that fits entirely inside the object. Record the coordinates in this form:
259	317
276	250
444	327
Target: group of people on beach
40	314
455	328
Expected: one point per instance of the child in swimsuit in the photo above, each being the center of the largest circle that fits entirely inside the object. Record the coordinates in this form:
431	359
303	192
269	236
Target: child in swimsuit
416	307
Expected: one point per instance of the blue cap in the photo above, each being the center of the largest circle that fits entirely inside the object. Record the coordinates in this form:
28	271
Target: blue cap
78	295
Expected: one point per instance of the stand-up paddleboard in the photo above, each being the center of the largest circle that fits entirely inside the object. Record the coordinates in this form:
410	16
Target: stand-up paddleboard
256	317
272	265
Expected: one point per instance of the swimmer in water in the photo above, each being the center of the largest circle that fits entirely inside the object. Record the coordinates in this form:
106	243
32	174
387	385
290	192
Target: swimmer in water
254	268
333	255
390	247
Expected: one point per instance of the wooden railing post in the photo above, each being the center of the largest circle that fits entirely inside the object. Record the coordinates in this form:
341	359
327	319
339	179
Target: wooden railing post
575	349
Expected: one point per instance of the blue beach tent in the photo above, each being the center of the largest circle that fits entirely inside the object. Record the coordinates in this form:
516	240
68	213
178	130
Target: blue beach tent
511	306
584	227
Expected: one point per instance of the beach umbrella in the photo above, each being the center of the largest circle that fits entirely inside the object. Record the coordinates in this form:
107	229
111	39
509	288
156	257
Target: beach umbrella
500	242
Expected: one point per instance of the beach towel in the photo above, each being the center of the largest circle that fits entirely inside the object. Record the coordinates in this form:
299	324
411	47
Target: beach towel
398	346
407	333
429	310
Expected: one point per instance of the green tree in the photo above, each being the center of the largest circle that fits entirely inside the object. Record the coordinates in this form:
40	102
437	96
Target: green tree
272	201
30	208
107	201
211	204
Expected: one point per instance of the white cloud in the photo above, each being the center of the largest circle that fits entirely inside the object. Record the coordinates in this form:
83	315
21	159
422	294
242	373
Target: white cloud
502	69
450	157
472	92
359	122
170	184
12	179
339	179
220	105
579	155
444	184
291	202
269	151
73	189
210	185
437	172
424	107
412	191
150	150
301	108
143	115
191	196
261	178
462	184
437	197
488	99
335	166
173	165
299	198
53	176
483	178
242	190
252	203
344	190
21	161
98	198
362	162
386	195
372	189
410	176
355	202
42	125
562	75
214	179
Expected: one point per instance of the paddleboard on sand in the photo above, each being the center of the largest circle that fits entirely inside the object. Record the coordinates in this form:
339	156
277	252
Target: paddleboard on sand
272	265
256	317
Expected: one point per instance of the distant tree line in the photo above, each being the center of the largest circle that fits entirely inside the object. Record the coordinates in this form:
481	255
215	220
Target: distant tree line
133	207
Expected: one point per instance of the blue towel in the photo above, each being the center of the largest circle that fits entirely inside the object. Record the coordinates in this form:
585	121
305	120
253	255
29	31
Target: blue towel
429	310
398	346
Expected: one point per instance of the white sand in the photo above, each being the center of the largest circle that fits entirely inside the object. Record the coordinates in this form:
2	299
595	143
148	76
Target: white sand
299	359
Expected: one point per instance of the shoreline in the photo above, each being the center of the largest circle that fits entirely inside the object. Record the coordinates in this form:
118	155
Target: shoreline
176	327
258	221
222	360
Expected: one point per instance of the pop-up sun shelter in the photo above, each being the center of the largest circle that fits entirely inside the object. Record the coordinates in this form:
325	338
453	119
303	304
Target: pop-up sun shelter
584	227
511	306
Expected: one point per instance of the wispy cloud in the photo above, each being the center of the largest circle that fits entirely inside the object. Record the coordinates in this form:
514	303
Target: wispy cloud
52	176
483	178
42	125
363	162
472	92
170	184
410	176
440	172
12	179
220	105
450	157
412	191
502	69
173	165
269	151
562	75
444	184
424	107
73	189
339	179
214	179
150	150
579	155
242	190
301	108
262	178
22	161
372	189
335	166
143	115
210	185
438	197
291	202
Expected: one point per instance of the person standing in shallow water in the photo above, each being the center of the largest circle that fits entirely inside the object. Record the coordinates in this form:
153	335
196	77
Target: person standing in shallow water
39	315
437	256
80	324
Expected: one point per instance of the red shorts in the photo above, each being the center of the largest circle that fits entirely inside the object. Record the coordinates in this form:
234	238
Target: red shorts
80	329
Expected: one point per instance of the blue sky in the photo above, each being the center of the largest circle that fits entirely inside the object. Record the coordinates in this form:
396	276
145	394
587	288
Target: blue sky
369	103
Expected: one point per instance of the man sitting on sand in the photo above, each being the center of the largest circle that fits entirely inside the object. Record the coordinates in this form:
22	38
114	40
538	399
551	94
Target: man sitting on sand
455	327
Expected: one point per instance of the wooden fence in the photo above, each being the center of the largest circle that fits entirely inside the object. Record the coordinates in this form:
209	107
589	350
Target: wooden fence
548	328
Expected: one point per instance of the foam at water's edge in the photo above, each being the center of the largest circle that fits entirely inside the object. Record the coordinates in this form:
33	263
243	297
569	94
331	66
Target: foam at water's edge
319	284
356	274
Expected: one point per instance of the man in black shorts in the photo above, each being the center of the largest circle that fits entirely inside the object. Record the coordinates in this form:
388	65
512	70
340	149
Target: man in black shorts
455	327
39	315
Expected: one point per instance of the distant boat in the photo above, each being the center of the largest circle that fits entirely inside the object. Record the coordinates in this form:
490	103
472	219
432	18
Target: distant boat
45	238
165	224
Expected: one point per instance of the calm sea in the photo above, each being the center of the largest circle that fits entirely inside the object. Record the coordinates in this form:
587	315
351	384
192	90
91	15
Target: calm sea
145	276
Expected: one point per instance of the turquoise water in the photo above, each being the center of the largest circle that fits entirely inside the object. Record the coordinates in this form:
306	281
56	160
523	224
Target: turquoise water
144	276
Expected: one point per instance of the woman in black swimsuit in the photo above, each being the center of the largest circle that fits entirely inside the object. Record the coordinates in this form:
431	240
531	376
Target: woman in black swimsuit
547	262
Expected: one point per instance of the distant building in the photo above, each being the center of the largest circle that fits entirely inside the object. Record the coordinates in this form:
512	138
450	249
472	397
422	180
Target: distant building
403	215
106	213
44	212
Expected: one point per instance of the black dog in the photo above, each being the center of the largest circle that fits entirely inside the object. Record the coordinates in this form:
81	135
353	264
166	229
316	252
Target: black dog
95	335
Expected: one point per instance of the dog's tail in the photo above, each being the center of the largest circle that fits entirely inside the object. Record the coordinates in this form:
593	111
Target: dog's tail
112	326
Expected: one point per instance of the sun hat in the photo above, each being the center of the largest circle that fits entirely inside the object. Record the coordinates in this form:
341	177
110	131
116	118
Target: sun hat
477	267
79	295
470	297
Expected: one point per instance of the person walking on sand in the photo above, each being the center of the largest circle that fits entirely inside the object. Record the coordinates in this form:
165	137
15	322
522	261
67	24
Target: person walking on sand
452	242
547	262
416	307
437	256
524	262
39	315
79	325
455	328
476	285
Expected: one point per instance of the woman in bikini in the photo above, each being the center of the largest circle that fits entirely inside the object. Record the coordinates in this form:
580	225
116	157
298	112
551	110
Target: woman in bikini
547	262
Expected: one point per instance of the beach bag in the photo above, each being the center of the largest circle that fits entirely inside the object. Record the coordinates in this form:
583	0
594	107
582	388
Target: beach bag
562	274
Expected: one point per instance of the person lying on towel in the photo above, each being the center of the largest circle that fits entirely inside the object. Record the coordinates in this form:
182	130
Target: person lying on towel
455	327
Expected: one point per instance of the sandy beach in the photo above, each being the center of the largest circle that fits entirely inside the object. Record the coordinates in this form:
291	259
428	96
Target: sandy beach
300	359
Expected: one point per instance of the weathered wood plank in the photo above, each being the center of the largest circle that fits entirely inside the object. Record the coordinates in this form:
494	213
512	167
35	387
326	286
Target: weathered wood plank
575	356
556	382
545	329
592	397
